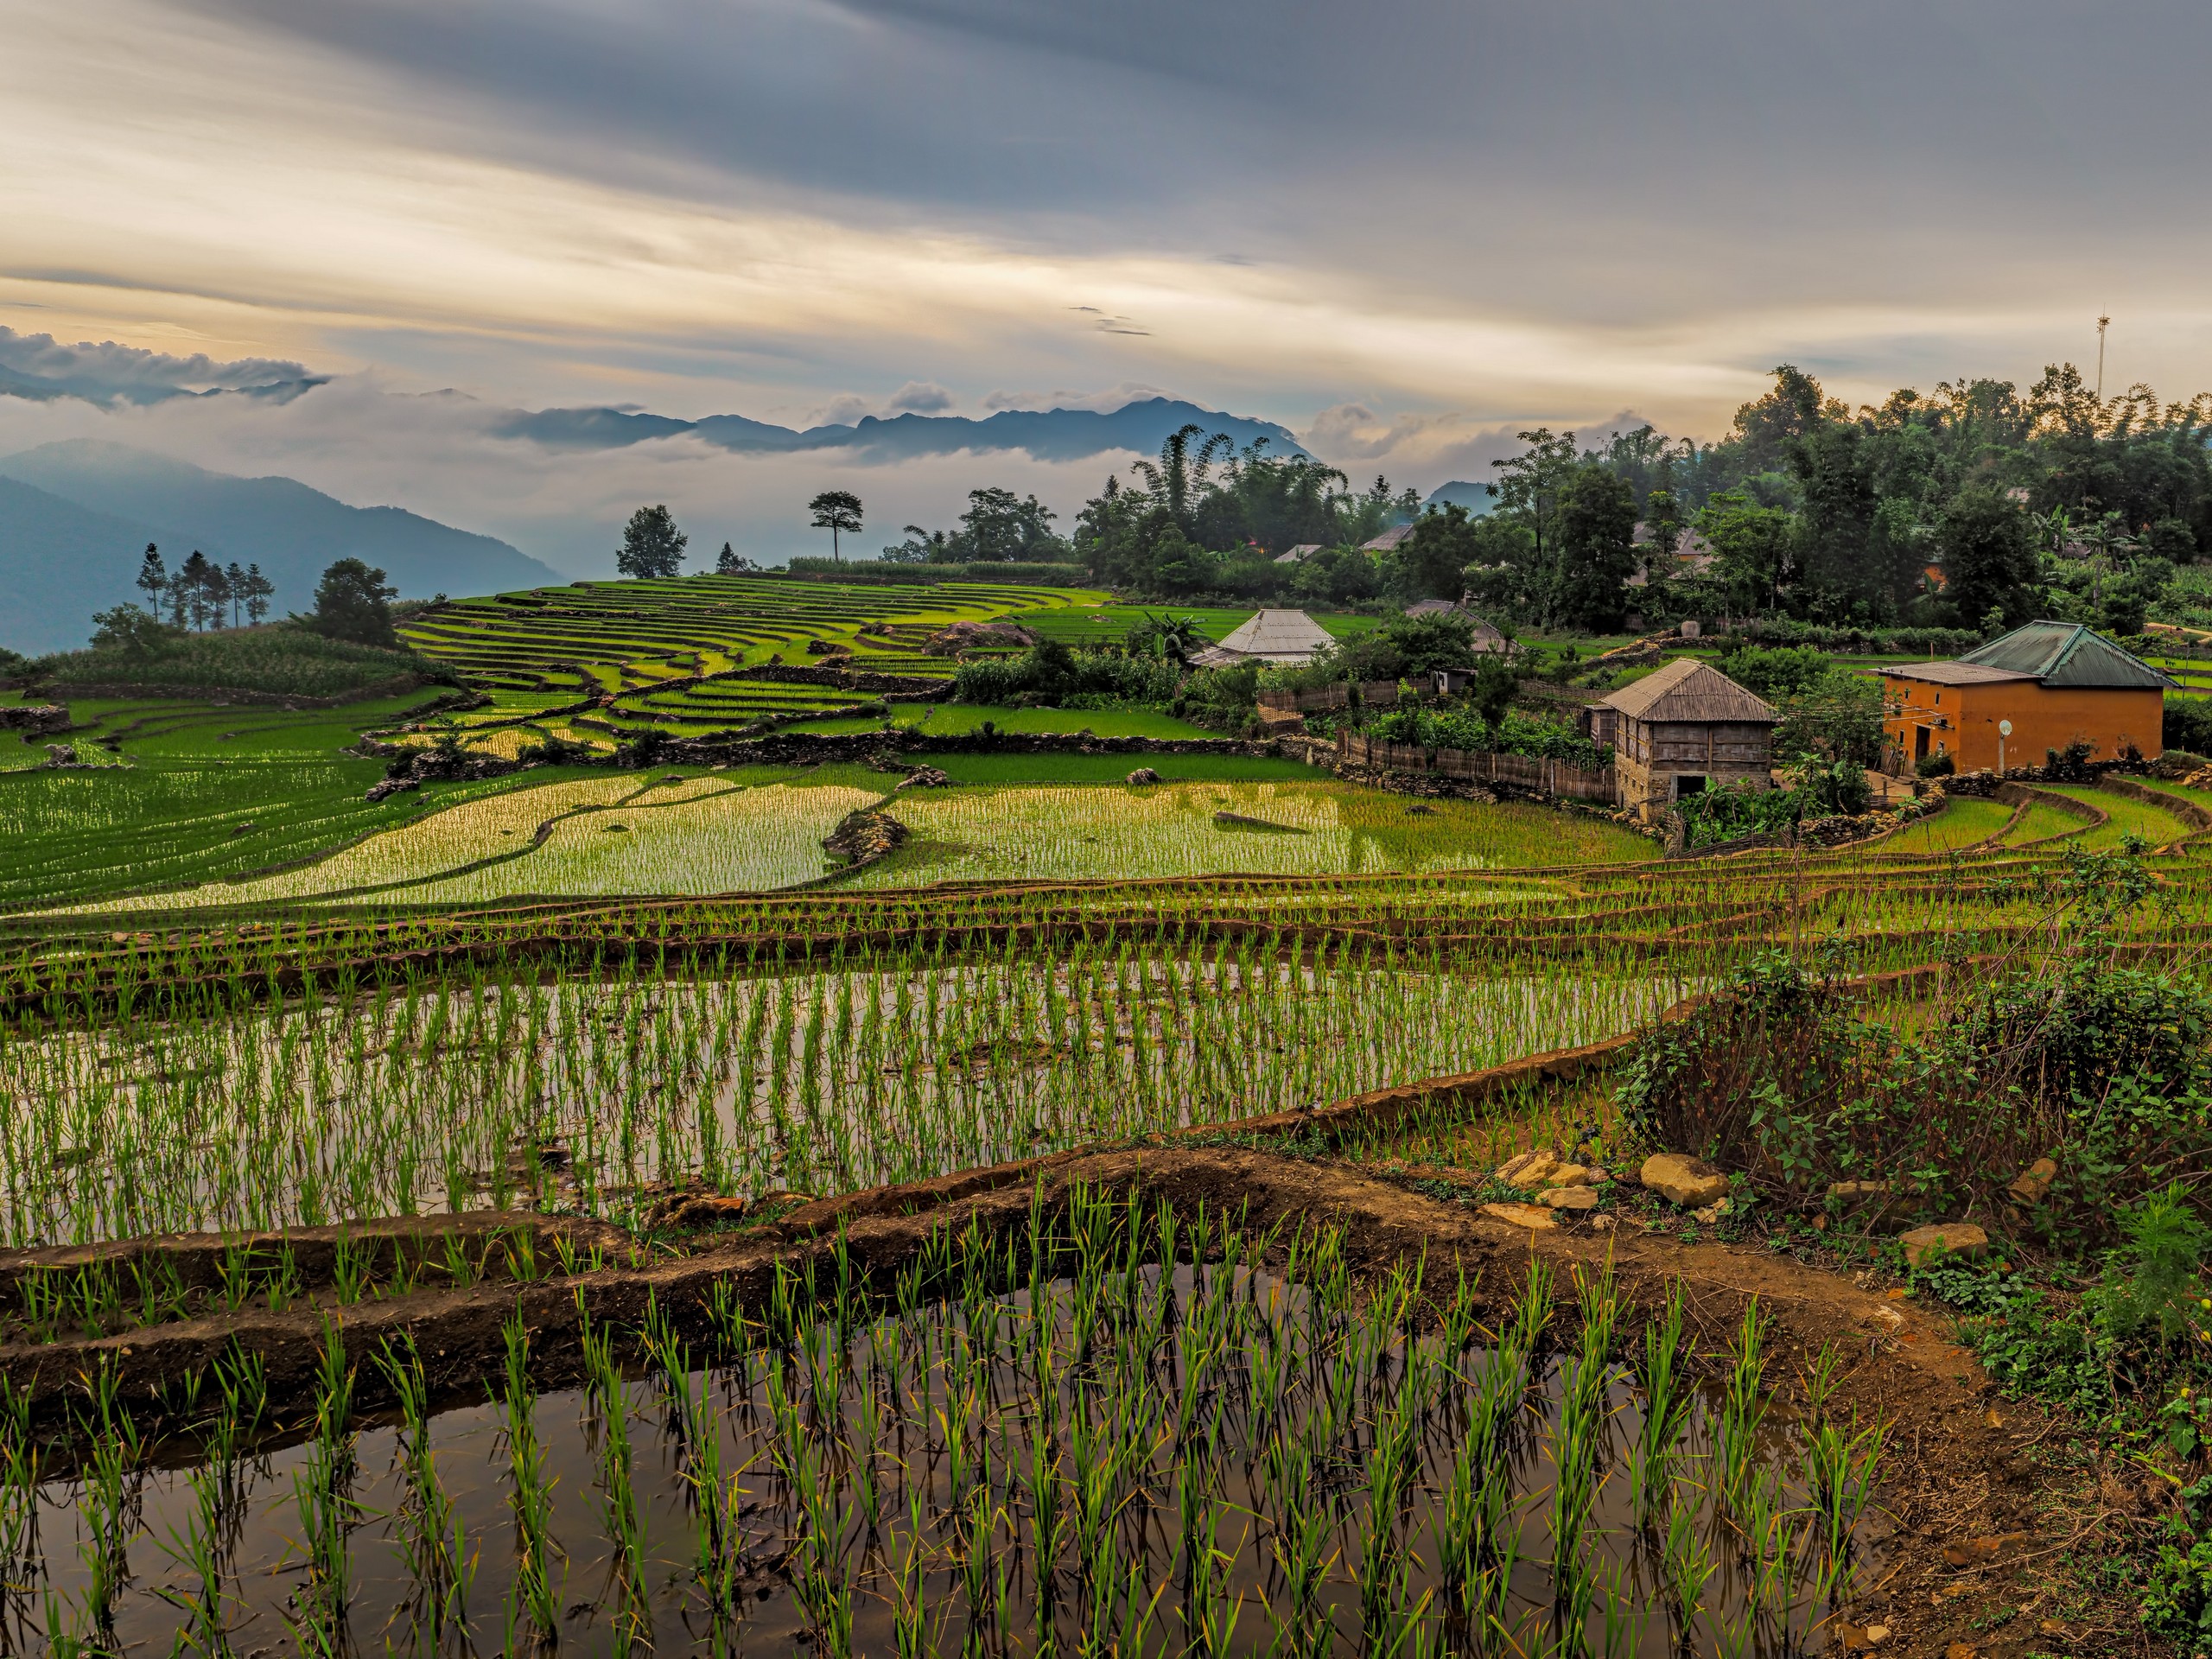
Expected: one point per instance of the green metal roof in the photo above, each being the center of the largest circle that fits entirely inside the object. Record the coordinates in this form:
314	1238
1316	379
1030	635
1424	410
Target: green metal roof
2067	653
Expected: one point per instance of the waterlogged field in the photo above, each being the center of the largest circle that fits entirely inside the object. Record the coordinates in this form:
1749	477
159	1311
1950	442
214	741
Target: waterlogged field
1174	829
1128	1438
583	1096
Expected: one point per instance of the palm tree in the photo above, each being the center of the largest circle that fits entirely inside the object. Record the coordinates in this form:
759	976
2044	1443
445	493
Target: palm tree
1182	472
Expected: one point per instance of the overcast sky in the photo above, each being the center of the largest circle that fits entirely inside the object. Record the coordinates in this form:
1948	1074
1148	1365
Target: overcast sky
1400	228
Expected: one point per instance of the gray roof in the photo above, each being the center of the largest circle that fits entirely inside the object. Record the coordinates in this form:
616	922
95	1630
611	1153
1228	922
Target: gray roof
1280	637
1300	554
2066	653
1688	689
1389	539
1959	673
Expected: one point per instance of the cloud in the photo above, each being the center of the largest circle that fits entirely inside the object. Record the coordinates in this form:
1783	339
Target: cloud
1113	397
920	398
107	370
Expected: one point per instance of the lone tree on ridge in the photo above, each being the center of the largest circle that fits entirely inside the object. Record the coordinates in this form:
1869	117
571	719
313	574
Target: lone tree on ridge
835	510
651	544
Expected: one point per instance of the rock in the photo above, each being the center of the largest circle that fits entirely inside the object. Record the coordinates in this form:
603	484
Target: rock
1959	1650
1573	1175
1535	1219
2033	1185
1690	1182
1960	1238
1980	1552
1857	1638
1846	1191
1602	1223
1712	1211
1530	1169
1568	1198
1142	775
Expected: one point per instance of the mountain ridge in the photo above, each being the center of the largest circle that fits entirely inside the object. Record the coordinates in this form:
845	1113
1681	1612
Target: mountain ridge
1049	434
76	537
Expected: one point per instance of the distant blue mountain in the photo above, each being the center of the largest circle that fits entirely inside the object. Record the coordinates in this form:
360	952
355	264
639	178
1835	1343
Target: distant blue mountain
75	518
1049	434
1475	498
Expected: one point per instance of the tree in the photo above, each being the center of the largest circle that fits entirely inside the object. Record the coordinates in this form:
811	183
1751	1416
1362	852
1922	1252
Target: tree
195	589
837	512
1443	544
1989	557
998	527
352	603
131	631
652	547
1597	542
1528	489
153	578
1834	475
731	562
1753	548
258	587
234	589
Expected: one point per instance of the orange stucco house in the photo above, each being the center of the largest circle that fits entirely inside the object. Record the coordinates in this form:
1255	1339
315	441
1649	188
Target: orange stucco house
2054	683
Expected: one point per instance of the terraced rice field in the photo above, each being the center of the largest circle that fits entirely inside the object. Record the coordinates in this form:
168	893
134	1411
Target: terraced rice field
599	660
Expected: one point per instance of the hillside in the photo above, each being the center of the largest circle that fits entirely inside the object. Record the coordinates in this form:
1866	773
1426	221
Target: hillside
58	563
71	541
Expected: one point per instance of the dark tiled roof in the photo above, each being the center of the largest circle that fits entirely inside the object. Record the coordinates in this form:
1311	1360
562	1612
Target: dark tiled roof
2066	653
1688	689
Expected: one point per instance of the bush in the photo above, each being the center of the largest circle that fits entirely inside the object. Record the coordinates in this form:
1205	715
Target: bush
1933	765
1465	728
279	660
1050	673
2188	725
2103	1068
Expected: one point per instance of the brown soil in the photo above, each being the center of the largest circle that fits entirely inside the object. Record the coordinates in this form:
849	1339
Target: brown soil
1963	1470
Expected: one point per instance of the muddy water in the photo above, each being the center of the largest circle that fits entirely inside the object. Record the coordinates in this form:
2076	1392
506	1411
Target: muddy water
916	1372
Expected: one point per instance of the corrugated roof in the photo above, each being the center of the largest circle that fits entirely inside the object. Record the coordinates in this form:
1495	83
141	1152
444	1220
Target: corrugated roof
1300	554
1688	690
1958	673
1387	540
2067	653
1280	636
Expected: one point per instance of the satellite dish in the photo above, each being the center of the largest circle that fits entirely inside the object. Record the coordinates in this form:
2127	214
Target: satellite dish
2003	728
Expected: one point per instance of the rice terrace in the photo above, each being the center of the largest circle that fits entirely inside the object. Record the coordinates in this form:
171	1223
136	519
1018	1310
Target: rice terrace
770	1113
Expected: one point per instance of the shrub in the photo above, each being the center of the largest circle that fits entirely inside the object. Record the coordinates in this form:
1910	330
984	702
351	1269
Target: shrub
280	660
2188	724
1050	673
1933	765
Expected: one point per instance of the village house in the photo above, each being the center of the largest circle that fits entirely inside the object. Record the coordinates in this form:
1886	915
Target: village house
2046	686
1684	729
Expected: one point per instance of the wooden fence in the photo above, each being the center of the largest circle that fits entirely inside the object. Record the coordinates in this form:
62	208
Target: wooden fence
1338	695
1481	765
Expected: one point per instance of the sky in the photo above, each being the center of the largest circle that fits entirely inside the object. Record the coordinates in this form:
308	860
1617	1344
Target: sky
1405	229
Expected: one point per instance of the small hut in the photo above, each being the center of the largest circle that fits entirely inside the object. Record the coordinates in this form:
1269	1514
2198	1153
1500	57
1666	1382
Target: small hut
1686	727
1274	639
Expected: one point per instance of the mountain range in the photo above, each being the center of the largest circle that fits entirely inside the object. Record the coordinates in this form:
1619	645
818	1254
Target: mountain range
1048	434
75	518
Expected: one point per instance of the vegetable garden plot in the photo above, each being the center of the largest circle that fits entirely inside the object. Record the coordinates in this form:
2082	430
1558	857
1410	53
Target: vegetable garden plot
583	1096
1118	1432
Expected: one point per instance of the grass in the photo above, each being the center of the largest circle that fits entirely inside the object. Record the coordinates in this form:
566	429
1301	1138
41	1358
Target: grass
1062	768
2127	818
1962	821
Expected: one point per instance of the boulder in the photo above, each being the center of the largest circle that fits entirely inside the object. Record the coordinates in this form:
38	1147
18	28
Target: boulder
1529	1169
1575	1175
1530	1216
1142	775
1960	1238
1568	1198
1690	1182
2033	1185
